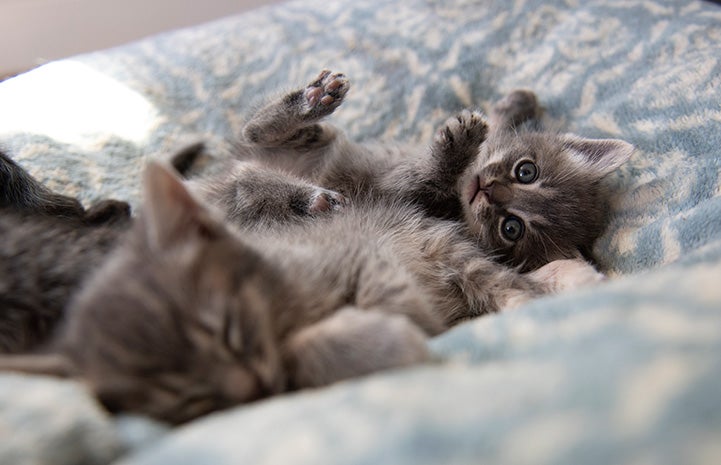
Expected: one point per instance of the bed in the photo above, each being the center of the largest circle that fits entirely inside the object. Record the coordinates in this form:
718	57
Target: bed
625	372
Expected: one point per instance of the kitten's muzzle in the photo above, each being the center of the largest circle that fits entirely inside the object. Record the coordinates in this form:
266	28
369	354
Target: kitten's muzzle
495	193
498	193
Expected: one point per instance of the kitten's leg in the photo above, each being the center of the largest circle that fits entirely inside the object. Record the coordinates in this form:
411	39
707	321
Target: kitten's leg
291	122
352	343
456	145
482	285
485	287
515	109
552	278
250	194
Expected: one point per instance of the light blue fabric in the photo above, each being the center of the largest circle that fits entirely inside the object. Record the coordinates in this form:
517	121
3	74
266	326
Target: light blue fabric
628	372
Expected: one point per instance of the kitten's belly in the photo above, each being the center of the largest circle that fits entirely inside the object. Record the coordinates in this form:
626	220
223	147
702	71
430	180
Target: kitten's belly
345	257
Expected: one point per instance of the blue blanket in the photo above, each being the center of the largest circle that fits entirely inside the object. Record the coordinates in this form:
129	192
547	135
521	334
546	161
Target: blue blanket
627	372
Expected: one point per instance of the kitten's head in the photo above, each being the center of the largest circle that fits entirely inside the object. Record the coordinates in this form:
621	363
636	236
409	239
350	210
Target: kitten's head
177	323
535	197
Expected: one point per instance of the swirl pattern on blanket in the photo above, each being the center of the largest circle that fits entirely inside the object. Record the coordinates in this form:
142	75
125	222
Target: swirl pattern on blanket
626	372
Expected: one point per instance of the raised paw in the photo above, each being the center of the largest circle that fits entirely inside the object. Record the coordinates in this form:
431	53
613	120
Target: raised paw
325	93
324	200
515	108
468	128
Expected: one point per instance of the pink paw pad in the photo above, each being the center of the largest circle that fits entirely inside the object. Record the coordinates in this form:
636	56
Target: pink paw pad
324	201
328	88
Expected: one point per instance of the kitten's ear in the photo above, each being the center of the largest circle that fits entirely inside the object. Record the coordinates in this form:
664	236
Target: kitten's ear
600	155
44	364
170	212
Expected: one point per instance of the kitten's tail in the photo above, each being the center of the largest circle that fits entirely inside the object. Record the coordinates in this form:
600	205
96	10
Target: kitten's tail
21	192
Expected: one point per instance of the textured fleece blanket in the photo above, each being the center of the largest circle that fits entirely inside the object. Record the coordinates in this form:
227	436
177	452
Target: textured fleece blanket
628	372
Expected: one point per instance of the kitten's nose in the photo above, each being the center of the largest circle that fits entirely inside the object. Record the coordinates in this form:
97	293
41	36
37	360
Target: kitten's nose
497	193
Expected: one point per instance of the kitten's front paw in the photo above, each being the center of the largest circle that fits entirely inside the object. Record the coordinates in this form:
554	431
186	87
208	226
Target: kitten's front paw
324	200
567	275
325	93
468	128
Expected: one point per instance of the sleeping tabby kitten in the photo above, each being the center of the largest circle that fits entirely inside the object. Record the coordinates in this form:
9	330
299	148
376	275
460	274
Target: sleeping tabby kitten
529	197
51	244
191	315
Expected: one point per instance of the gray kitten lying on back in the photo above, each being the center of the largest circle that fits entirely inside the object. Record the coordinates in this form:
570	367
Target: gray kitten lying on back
194	313
530	197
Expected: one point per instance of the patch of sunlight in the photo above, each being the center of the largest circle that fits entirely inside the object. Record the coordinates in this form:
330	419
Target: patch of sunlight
75	104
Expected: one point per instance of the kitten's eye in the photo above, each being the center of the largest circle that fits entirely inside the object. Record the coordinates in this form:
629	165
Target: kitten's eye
512	228
526	172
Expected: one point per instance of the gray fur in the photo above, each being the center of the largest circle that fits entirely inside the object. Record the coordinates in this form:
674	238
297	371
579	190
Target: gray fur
50	244
281	284
191	315
563	211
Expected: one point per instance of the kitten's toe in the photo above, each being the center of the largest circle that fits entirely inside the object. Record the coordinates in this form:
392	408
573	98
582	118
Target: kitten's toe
324	200
468	127
326	92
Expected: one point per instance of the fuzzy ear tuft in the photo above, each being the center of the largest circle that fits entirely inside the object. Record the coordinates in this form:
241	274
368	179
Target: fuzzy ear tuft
601	155
169	209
